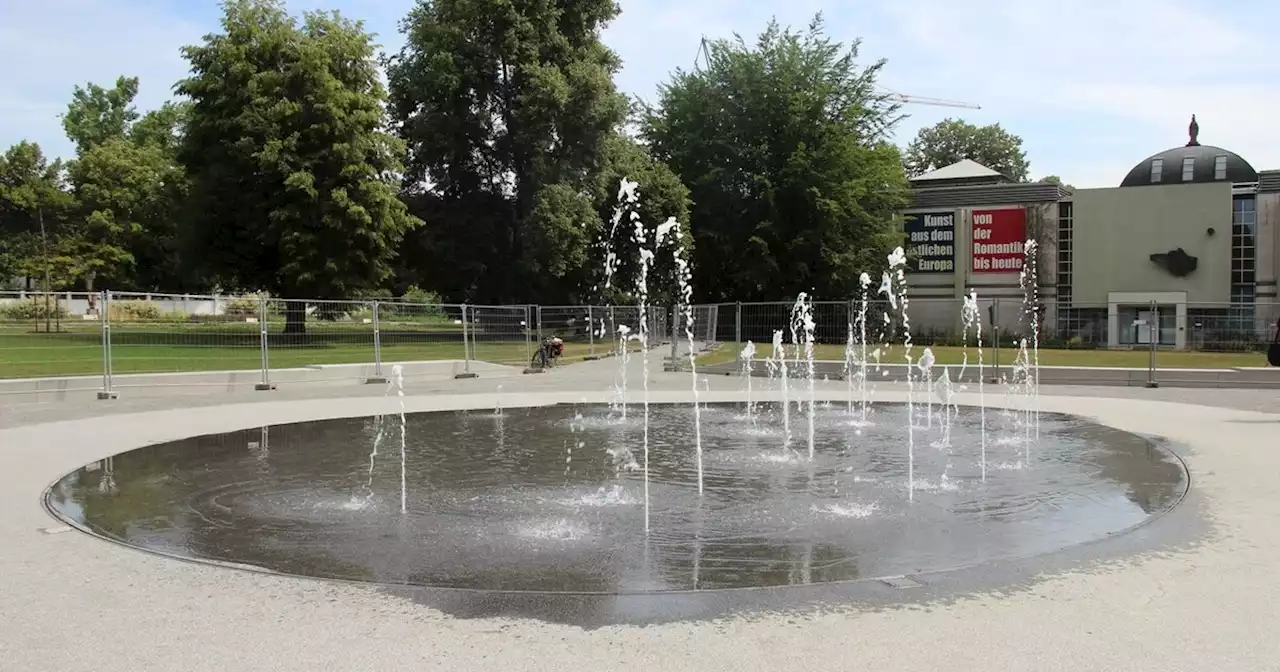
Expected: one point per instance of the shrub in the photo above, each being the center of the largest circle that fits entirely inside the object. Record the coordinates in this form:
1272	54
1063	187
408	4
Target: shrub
126	311
242	306
34	308
426	303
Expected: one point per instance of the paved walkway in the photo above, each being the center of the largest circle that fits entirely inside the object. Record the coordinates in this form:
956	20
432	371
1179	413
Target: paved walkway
71	602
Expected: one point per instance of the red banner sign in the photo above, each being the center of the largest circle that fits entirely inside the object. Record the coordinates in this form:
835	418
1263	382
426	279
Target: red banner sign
998	237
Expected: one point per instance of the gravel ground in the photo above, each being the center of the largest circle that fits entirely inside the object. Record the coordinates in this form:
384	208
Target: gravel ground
72	602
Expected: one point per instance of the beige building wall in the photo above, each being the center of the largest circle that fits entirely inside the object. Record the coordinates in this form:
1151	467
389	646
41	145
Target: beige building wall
1268	242
1117	230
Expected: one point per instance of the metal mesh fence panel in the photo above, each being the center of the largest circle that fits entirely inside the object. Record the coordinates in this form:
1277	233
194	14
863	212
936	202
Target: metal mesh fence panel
102	339
419	332
1079	326
161	333
45	335
318	340
502	334
1223	328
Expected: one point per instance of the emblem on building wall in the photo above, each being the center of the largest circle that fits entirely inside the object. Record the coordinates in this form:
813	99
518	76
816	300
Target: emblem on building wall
1176	262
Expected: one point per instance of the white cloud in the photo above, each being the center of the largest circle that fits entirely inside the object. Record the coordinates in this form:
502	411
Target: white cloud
1093	86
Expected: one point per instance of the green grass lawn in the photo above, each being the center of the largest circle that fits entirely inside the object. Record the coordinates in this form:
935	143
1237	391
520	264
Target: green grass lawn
175	348
728	352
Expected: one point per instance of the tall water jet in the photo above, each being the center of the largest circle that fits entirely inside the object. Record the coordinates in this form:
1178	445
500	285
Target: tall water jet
1029	278
1019	383
778	364
627	199
925	364
894	285
624	360
865	281
683	277
802	327
946	394
397	376
642	294
748	356
849	370
972	319
380	433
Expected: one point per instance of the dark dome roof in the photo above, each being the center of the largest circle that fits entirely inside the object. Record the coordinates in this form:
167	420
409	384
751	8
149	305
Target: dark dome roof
1206	158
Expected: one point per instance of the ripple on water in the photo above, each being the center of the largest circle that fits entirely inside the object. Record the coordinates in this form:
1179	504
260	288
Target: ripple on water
496	505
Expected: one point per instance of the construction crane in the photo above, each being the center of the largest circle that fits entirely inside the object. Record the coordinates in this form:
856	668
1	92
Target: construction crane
893	96
921	100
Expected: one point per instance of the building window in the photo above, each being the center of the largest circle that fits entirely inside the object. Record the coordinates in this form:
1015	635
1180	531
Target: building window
1157	169
1065	227
1244	227
1220	167
1188	168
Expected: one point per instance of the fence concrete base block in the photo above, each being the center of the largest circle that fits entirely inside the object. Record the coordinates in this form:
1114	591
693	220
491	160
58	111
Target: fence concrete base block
591	358
465	374
1152	385
108	395
534	370
264	387
375	380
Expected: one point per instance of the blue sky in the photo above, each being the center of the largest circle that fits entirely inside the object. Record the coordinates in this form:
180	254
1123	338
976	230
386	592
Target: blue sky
1092	86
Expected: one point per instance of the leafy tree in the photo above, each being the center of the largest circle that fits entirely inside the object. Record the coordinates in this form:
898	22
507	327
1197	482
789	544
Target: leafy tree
34	206
1054	179
508	109
97	114
127	196
784	149
293	179
952	140
162	127
128	188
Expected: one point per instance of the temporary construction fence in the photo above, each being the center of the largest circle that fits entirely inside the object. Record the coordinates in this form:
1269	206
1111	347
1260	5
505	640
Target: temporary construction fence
86	340
90	340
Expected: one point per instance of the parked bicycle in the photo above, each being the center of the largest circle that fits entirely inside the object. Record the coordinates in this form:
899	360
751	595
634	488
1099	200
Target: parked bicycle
549	351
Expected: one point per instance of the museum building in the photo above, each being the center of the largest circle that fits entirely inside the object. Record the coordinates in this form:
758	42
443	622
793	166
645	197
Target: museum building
1192	231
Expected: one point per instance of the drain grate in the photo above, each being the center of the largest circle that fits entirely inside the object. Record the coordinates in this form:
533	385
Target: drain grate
902	582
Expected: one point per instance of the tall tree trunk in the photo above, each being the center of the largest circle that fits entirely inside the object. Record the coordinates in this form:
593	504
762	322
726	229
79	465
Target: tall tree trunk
295	317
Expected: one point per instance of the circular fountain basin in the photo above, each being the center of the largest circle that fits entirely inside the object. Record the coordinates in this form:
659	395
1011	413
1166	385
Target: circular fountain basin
552	499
